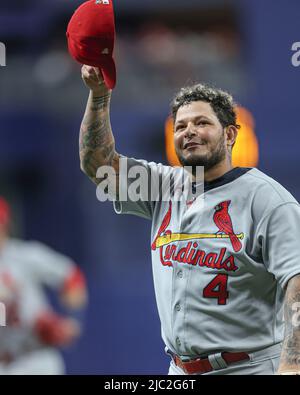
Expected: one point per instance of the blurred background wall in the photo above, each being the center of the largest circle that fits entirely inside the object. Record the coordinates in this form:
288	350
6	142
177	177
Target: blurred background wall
242	46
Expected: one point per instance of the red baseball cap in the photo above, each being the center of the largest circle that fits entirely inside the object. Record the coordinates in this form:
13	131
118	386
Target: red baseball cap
91	37
4	212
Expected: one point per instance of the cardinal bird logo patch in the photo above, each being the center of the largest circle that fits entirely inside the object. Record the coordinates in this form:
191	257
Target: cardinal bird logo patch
193	253
223	221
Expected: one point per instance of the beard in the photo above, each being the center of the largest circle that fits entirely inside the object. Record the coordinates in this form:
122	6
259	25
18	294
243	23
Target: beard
208	160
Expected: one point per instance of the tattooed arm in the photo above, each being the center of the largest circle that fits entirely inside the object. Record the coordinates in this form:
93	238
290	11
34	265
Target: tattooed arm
96	141
290	355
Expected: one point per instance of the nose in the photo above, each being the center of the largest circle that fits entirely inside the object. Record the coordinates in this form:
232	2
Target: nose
190	129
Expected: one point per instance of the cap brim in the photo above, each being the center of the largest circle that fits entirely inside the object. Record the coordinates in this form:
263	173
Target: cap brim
108	69
104	62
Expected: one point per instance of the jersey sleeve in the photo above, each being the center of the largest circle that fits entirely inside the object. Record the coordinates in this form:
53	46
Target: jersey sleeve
279	234
47	266
145	177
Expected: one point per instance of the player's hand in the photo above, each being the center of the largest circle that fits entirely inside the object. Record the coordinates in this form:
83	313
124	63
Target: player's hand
55	330
92	77
69	331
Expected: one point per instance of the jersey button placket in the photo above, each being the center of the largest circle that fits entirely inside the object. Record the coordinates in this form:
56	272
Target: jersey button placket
180	273
178	299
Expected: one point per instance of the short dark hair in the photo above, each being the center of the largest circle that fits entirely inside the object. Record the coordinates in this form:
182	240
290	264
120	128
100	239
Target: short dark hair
221	102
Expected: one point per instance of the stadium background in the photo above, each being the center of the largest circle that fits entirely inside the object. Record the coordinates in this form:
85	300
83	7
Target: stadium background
243	46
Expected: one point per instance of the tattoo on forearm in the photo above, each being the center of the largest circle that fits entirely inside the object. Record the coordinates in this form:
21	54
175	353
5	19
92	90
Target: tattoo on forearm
100	103
291	346
96	142
93	134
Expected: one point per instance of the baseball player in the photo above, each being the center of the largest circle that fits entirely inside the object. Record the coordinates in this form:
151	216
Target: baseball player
33	331
226	264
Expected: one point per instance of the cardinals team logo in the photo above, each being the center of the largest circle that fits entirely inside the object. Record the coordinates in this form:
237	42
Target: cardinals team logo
221	219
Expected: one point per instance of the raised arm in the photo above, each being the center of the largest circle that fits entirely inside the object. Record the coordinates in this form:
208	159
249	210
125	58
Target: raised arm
96	141
290	356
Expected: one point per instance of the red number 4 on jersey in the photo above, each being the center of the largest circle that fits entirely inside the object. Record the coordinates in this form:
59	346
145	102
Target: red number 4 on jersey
217	288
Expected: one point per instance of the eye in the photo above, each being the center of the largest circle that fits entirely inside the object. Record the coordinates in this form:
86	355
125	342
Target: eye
179	128
201	122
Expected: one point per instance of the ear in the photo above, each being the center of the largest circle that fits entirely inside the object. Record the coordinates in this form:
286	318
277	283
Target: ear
230	135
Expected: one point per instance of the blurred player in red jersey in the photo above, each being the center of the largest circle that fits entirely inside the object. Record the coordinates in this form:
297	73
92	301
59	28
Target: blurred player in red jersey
33	331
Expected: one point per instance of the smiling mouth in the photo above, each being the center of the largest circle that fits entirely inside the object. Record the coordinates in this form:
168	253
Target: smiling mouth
192	145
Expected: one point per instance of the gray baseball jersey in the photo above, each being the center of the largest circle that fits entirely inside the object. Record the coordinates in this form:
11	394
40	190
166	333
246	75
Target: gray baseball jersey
221	262
25	268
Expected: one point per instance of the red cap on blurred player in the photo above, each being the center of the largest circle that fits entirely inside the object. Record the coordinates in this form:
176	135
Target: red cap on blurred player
91	37
4	212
